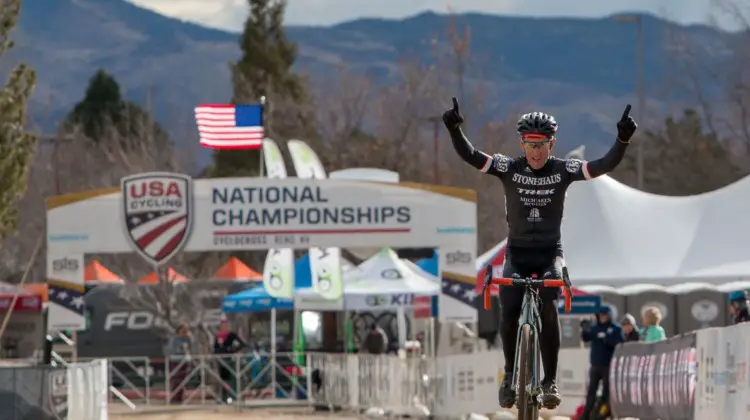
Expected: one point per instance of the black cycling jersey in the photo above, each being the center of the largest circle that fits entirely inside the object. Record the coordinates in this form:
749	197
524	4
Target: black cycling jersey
534	199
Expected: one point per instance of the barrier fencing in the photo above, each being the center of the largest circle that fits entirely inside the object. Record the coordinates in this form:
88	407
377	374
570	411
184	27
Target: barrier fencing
447	386
77	391
702	375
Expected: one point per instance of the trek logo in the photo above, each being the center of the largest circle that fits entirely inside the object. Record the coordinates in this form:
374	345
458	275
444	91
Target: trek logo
458	257
532	180
65	264
399	299
536	192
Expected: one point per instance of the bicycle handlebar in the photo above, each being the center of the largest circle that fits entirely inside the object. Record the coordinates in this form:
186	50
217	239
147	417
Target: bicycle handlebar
529	281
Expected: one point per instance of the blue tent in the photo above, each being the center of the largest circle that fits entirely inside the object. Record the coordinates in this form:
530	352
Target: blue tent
254	300
258	300
429	265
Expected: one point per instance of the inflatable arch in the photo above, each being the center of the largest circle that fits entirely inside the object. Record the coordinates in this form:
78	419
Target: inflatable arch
161	214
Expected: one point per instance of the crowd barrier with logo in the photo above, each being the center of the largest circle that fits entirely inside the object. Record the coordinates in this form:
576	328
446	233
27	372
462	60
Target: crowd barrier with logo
702	375
654	380
76	392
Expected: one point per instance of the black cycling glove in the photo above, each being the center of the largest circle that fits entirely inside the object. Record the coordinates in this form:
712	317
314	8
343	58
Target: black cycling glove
452	118
626	126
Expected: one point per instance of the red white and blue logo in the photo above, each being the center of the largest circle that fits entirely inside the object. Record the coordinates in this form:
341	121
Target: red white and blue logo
157	214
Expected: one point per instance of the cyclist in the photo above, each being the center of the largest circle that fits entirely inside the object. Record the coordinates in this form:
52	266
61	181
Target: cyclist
738	307
535	185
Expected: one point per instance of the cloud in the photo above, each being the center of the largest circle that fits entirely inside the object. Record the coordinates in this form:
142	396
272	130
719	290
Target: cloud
230	14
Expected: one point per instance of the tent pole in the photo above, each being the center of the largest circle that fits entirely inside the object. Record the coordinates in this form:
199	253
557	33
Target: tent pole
273	351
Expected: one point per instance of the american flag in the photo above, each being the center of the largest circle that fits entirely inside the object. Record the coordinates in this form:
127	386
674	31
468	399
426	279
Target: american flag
230	126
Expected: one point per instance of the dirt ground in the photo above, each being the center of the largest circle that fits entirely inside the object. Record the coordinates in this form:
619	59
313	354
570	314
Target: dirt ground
223	413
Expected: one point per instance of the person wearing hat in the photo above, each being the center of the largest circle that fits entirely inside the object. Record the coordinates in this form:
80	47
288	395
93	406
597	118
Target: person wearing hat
738	306
630	328
604	336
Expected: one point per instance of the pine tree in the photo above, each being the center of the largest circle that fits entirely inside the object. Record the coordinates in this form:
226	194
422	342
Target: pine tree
103	114
17	146
681	158
264	69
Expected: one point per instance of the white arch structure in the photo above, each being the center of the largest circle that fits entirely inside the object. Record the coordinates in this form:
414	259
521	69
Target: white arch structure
257	214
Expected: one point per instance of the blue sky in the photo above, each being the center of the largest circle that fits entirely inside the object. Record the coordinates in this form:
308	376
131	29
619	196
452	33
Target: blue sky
229	14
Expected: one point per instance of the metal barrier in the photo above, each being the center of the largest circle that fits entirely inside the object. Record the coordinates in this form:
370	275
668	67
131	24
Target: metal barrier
76	391
396	385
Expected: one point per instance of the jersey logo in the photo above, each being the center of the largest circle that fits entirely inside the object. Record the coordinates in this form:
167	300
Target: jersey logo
534	215
502	163
573	165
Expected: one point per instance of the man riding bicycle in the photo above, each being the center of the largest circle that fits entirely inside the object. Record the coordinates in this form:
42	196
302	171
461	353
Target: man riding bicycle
535	186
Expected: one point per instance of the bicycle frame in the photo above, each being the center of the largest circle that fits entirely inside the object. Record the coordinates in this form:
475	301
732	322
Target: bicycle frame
529	316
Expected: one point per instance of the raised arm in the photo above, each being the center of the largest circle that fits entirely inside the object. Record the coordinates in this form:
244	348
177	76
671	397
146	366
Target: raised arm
493	165
582	170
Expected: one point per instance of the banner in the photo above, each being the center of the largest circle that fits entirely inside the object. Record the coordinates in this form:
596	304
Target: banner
66	291
325	263
654	380
278	271
723	382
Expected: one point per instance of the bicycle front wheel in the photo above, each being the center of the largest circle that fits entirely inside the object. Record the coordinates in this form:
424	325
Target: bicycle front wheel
528	408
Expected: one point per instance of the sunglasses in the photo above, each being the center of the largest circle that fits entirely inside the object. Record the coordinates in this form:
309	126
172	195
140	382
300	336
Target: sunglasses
536	141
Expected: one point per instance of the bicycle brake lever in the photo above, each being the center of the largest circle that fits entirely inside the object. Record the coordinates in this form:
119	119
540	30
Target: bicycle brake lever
487	278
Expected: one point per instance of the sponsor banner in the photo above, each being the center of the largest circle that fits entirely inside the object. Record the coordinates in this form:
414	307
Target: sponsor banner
66	292
723	382
325	263
245	214
425	307
278	271
262	213
379	302
327	279
655	380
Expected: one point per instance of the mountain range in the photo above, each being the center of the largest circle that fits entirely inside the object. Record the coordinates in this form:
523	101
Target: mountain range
581	70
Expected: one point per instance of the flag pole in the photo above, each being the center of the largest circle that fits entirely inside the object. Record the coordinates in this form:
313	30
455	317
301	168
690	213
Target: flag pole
263	122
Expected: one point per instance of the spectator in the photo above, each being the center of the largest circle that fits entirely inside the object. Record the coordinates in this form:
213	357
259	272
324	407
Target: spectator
738	306
604	336
376	341
630	328
652	331
178	351
227	342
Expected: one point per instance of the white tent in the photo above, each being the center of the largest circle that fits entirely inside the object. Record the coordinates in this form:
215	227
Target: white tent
385	282
616	235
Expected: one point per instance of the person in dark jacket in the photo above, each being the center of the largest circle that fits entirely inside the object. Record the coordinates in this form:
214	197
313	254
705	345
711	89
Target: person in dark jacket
630	328
376	341
227	342
604	336
738	307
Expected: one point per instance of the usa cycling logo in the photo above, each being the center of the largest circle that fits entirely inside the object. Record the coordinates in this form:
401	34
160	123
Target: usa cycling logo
157	213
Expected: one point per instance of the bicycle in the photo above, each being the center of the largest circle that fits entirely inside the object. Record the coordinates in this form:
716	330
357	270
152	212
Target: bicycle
527	385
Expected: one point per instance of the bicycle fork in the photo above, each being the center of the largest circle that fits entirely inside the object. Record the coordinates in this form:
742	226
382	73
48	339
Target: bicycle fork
529	315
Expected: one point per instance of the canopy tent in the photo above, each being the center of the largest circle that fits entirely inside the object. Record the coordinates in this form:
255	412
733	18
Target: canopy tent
39	289
27	301
254	300
172	276
236	270
385	282
95	274
617	235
